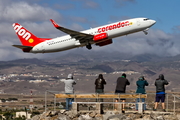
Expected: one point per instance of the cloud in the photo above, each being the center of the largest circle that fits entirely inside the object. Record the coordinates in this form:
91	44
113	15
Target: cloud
31	16
82	21
176	29
79	19
120	3
18	11
35	18
91	4
156	42
76	27
64	6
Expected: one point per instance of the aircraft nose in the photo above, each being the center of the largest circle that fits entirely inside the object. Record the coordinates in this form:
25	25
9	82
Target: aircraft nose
153	22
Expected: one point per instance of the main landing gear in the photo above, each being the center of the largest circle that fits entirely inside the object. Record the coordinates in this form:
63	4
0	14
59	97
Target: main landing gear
88	46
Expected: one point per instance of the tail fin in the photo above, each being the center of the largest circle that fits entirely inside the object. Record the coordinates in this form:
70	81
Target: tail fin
26	37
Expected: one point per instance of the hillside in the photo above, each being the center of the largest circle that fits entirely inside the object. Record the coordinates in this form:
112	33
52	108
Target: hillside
86	67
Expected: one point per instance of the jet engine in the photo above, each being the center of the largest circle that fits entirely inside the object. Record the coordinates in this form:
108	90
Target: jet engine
103	43
100	37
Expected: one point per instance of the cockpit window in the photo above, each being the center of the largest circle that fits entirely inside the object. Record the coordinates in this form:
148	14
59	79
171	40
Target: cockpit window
146	19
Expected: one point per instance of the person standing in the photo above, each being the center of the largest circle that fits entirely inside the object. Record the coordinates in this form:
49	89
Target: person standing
160	92
121	84
141	83
99	88
99	84
69	89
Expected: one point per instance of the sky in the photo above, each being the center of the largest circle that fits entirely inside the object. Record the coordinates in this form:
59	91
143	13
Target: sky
163	38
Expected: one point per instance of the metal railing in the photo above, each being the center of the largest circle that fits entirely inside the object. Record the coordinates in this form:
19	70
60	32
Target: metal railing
172	102
176	101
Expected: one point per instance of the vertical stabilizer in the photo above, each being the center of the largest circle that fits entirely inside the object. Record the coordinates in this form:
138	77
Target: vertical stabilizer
26	37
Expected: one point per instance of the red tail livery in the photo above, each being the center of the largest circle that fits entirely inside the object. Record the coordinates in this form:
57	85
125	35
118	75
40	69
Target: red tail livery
26	37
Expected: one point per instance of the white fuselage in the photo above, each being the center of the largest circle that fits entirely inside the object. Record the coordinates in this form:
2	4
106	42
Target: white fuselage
113	30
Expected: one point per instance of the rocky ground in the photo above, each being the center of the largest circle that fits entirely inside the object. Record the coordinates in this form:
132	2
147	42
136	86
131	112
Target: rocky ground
109	115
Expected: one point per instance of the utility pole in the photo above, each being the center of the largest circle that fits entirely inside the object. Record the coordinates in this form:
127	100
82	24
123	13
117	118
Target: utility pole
31	102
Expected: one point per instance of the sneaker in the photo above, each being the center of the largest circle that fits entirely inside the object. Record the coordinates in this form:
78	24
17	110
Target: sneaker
123	111
164	110
154	109
102	112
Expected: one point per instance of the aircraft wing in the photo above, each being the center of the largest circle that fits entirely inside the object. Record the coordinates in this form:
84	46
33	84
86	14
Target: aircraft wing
82	37
22	47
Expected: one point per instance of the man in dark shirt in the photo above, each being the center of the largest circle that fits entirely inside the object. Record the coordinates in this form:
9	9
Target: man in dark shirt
122	82
99	88
160	91
141	83
99	84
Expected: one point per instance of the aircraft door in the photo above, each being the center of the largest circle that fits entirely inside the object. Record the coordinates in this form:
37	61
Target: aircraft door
138	22
42	47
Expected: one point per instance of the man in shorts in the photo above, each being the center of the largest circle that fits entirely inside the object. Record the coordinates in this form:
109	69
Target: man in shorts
160	91
69	89
121	88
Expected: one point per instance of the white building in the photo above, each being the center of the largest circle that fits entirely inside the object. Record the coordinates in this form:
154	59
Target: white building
23	114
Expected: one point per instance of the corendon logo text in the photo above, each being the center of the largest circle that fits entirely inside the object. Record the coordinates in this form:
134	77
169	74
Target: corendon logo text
111	27
21	32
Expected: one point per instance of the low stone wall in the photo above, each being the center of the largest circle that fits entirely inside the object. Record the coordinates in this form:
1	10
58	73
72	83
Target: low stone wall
109	115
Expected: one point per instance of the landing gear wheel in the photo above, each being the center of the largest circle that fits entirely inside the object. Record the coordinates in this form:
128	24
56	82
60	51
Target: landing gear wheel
89	46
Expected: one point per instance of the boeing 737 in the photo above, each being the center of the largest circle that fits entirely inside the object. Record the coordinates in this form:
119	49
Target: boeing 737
99	36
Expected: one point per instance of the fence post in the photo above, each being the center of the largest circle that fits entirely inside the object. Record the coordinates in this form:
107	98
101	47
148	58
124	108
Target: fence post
167	102
54	102
119	107
74	107
113	103
98	107
140	107
45	101
174	103
74	97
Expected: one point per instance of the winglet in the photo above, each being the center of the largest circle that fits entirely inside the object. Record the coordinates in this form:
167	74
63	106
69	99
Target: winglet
54	23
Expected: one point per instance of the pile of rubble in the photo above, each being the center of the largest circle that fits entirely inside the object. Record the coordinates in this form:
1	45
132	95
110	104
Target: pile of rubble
109	115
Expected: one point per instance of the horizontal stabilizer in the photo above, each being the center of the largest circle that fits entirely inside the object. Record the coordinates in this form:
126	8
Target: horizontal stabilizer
22	47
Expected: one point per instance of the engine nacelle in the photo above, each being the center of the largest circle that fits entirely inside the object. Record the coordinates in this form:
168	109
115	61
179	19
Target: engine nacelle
100	37
103	43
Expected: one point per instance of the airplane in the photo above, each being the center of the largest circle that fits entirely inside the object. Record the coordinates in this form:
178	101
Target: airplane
99	36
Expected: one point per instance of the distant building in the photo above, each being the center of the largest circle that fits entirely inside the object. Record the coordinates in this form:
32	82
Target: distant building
23	114
1	91
127	72
37	81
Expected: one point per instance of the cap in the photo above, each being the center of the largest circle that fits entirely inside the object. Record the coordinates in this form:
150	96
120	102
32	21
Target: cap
141	77
70	76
